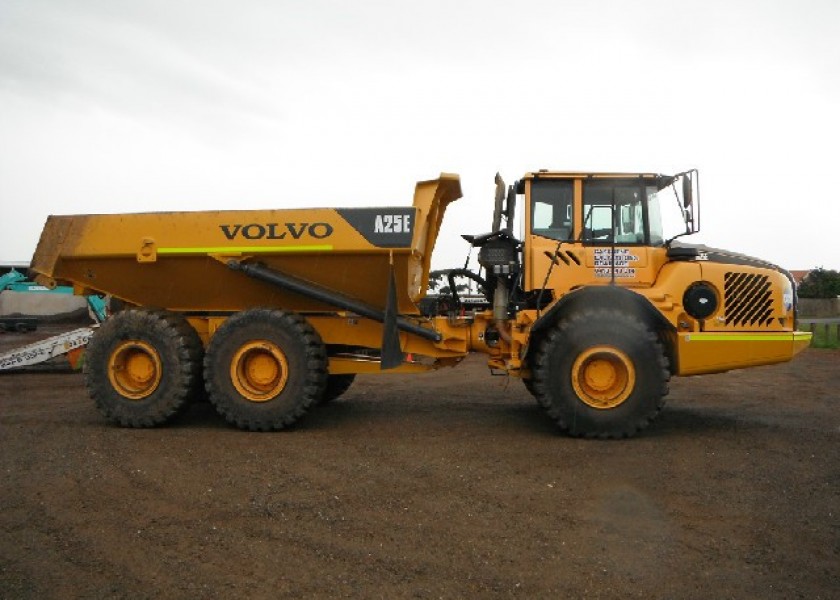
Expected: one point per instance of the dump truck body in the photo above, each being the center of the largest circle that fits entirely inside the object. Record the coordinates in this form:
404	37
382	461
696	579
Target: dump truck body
178	260
273	311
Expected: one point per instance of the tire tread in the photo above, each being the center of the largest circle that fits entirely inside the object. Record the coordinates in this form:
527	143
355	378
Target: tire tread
314	359
178	337
541	372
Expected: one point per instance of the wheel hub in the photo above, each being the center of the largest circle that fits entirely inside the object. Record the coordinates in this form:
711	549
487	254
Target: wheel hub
259	370
134	369
603	377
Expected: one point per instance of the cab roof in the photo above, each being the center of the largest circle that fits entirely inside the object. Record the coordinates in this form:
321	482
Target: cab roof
546	174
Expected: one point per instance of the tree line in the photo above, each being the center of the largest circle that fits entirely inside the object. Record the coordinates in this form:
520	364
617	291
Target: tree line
820	283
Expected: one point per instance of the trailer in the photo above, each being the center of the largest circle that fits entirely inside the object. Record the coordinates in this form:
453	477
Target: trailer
18	323
70	344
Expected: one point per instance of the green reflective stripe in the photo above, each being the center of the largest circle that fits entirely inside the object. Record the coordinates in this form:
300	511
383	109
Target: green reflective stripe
245	249
745	337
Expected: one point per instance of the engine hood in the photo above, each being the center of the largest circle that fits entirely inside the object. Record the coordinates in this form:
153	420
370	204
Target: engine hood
700	252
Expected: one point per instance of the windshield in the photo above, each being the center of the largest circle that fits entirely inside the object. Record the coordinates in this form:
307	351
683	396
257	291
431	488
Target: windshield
670	216
657	237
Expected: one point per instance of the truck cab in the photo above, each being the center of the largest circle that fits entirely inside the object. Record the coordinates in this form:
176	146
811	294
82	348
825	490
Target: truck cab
589	241
607	228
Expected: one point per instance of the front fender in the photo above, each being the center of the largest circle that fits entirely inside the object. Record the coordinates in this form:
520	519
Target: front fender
602	296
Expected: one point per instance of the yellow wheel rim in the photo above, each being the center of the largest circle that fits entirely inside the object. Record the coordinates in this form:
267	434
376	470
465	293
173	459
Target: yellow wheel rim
134	369
603	377
259	370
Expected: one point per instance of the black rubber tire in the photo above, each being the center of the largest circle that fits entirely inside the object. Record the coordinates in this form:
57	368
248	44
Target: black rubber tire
304	353
528	382
529	385
179	349
552	374
336	386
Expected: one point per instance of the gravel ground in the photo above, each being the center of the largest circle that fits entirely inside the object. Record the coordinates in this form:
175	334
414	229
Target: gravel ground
446	485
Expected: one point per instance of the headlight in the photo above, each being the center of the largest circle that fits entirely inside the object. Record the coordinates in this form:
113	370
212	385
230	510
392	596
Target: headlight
787	295
700	300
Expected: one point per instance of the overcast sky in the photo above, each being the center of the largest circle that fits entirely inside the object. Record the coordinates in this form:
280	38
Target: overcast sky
109	106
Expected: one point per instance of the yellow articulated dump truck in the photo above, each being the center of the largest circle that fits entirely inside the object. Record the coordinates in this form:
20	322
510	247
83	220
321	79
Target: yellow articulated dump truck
269	312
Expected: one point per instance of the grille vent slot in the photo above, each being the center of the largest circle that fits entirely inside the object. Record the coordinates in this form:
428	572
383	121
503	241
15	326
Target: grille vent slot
568	257
573	256
747	299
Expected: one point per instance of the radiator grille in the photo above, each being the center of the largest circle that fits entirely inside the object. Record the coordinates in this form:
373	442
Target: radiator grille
747	299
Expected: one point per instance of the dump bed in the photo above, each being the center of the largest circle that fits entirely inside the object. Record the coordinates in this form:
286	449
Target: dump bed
178	260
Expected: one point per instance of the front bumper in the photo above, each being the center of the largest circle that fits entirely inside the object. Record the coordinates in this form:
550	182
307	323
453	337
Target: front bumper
699	353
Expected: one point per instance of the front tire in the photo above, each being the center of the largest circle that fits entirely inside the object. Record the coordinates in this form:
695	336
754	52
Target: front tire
337	385
264	368
601	373
143	367
529	385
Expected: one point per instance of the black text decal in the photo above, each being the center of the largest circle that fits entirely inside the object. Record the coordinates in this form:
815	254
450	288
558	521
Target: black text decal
382	227
277	231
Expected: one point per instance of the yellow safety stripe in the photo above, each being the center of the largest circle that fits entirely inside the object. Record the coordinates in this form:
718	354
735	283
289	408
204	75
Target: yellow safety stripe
746	337
245	249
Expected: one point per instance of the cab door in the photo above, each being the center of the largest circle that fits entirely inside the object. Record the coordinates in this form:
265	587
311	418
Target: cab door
615	232
550	210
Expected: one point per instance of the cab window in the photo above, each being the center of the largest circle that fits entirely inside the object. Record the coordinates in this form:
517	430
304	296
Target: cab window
551	208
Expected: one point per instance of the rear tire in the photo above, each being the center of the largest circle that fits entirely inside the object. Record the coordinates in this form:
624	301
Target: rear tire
264	368
142	367
601	373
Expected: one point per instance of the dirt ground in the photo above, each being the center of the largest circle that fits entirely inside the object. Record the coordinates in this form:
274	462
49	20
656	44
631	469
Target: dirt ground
448	485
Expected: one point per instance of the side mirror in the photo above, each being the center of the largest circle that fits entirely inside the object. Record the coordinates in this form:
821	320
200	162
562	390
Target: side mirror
688	190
